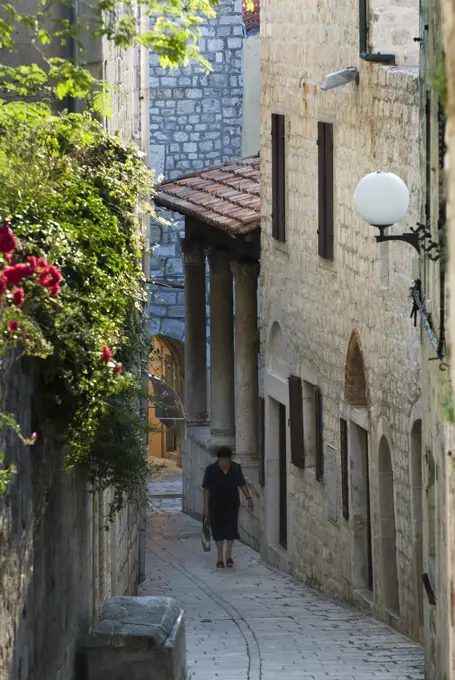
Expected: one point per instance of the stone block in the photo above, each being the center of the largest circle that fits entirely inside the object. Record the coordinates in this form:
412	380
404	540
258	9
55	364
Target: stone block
139	638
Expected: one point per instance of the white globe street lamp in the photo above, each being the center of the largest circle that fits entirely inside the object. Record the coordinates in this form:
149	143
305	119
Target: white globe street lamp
381	199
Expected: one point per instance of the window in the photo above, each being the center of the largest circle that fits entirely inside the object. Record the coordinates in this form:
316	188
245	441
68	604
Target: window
344	467
296	421
313	434
278	178
325	190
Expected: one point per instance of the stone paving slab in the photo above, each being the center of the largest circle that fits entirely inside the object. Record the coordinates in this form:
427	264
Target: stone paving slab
252	623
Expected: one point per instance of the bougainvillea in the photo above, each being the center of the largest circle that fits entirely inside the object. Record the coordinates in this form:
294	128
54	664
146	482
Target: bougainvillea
72	285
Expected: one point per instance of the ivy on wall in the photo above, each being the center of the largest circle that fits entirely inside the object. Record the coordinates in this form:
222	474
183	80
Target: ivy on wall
69	192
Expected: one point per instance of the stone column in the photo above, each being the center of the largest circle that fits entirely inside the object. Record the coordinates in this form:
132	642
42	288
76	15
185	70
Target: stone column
246	360
195	333
222	416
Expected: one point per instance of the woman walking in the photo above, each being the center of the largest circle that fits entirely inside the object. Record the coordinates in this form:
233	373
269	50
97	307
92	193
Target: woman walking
221	484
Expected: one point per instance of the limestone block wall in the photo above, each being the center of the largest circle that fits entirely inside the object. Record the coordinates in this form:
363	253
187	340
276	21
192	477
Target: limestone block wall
57	561
316	305
195	122
393	26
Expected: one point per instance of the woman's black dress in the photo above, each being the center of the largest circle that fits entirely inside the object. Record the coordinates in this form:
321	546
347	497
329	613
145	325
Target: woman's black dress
224	500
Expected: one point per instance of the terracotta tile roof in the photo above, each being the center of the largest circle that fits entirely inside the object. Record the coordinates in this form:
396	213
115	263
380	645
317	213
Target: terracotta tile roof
224	196
251	19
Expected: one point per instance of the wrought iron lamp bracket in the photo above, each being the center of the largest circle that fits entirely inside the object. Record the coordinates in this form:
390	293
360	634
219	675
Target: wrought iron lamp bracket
411	237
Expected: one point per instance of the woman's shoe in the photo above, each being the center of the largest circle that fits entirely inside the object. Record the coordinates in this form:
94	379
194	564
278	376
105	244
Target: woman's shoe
229	562
220	564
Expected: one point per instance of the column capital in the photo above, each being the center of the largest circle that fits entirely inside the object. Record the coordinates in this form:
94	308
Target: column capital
219	257
244	270
193	251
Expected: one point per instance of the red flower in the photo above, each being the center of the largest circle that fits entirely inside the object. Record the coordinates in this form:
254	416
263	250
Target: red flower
8	257
55	290
32	264
7	240
12	326
18	296
15	274
41	262
50	276
106	354
118	369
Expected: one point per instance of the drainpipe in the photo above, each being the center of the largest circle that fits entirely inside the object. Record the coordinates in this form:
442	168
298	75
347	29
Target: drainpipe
364	28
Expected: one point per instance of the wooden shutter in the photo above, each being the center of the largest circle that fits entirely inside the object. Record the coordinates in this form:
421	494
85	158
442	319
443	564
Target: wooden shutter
278	177
325	190
428	160
344	467
318	429
261	441
296	421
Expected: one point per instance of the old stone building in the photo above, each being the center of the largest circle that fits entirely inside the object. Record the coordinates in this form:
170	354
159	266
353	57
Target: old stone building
437	275
340	356
57	561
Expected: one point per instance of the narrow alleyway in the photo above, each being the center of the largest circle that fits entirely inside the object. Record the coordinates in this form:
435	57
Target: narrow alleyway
251	623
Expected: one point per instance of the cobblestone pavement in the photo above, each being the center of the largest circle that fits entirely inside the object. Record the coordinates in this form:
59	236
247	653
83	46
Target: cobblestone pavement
252	623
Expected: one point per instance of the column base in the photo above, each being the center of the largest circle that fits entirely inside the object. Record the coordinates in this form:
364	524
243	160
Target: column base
197	420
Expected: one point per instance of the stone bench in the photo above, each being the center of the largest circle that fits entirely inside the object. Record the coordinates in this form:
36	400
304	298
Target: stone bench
138	638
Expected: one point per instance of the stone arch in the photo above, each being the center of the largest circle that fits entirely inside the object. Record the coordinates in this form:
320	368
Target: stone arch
276	351
355	378
167	362
387	527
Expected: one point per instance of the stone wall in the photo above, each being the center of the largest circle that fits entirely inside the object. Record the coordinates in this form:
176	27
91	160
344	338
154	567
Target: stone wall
438	431
393	26
195	122
57	561
310	307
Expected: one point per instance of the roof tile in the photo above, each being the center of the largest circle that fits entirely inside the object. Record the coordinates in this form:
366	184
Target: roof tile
225	196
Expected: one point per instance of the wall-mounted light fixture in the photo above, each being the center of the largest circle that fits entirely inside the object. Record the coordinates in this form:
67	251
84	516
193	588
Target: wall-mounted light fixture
339	78
381	199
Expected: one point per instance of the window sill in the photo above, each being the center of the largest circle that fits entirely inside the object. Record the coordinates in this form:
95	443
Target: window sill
329	265
280	245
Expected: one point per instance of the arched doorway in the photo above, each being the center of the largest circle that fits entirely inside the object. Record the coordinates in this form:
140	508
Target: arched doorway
417	511
388	528
166	362
358	467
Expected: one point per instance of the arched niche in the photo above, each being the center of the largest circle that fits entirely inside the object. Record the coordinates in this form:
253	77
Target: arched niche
387	527
355	378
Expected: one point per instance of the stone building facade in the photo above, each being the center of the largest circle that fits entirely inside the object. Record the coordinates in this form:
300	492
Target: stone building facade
195	122
437	179
335	323
57	561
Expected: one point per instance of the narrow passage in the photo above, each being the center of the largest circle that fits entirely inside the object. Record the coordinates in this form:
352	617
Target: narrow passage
251	623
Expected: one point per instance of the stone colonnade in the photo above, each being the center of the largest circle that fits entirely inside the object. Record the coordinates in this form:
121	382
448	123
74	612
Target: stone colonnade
233	352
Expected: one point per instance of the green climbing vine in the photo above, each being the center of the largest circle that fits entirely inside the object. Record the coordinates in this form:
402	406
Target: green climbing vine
68	196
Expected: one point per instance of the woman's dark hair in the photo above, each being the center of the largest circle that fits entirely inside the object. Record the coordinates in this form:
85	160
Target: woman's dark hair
224	452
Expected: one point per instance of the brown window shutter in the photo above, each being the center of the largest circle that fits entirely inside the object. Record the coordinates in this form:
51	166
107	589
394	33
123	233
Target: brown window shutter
318	422
325	190
278	178
261	441
296	421
344	467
